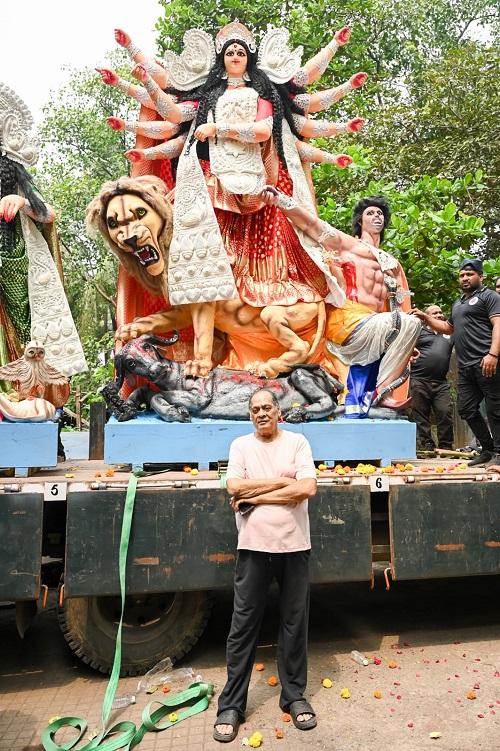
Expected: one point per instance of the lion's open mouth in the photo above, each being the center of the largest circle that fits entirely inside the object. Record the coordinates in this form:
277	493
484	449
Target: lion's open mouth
147	255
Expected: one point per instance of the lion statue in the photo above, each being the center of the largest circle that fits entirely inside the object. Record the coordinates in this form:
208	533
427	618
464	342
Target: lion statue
134	217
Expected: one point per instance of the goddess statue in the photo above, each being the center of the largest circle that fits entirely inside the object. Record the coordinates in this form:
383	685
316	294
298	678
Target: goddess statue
233	119
33	304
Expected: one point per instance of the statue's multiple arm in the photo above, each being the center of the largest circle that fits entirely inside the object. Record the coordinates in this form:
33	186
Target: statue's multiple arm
310	153
163	103
322	100
166	150
324	128
155	70
139	93
316	66
158	130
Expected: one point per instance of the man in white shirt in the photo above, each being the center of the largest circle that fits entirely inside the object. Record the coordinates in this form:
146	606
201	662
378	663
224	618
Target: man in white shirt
270	476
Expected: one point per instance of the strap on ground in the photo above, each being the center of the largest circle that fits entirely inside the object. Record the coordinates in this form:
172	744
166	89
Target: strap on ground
125	734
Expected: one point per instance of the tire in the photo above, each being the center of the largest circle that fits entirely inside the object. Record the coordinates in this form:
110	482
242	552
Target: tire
154	626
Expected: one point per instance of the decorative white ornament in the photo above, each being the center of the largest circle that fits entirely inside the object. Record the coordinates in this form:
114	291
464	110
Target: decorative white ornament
16	122
275	58
191	68
237	164
51	319
198	268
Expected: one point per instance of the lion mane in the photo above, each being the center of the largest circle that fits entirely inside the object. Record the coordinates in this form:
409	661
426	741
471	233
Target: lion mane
152	190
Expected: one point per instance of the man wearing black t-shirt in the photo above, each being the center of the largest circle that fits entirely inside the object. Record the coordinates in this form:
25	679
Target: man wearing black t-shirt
429	388
475	323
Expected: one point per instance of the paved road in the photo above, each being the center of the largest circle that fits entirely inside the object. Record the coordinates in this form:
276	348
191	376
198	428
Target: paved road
444	637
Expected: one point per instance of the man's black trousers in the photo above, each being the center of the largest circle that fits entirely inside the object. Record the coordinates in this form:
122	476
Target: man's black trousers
427	397
473	387
253	575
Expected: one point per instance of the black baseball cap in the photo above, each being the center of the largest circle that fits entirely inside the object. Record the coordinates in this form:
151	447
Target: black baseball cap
476	264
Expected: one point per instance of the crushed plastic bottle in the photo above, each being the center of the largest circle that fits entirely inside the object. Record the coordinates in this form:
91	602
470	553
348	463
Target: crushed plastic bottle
359	658
123	701
164	672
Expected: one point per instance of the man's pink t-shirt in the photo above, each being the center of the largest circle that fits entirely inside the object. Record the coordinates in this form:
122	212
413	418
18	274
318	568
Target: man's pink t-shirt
272	528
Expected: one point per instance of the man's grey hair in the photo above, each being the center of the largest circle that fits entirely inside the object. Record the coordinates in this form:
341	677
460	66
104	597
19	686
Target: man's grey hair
267	391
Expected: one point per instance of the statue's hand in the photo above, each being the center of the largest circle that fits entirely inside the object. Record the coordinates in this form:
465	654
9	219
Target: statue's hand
116	123
128	331
355	125
270	195
342	35
108	76
343	160
122	38
140	72
358	79
207	130
134	155
10	205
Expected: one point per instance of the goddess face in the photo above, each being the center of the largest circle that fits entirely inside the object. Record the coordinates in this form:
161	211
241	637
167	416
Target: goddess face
235	60
135	227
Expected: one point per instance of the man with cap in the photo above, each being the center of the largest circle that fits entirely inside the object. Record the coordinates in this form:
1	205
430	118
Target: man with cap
475	323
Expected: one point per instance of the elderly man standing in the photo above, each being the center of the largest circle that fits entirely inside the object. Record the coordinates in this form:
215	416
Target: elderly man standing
270	476
475	322
429	388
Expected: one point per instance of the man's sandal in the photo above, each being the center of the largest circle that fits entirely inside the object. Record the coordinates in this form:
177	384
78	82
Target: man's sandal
227	717
301	706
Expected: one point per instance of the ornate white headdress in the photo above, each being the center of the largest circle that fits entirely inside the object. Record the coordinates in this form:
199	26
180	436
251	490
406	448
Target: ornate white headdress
234	32
16	122
275	56
192	66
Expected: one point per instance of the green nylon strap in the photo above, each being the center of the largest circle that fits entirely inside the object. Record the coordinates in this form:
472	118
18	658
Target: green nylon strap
125	735
128	513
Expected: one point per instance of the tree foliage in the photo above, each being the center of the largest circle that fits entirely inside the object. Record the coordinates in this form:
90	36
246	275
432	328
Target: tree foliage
80	153
448	125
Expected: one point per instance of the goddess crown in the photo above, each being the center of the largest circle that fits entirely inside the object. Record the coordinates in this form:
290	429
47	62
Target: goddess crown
235	31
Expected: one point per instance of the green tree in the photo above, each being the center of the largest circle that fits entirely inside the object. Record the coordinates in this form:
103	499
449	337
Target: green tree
448	125
80	153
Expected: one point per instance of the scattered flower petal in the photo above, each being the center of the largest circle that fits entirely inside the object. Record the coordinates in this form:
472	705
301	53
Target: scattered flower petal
272	680
435	734
326	683
260	667
345	693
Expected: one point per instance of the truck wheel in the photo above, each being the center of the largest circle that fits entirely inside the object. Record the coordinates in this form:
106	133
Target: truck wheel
154	626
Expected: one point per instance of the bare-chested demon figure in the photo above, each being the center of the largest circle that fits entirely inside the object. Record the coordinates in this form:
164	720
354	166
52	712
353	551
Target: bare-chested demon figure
374	283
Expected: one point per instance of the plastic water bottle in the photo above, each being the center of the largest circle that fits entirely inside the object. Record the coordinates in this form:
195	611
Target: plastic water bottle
123	701
359	658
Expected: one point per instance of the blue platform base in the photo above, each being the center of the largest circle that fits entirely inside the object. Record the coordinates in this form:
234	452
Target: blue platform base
148	439
28	444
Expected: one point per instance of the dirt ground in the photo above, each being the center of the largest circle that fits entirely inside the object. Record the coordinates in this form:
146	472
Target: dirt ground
443	636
